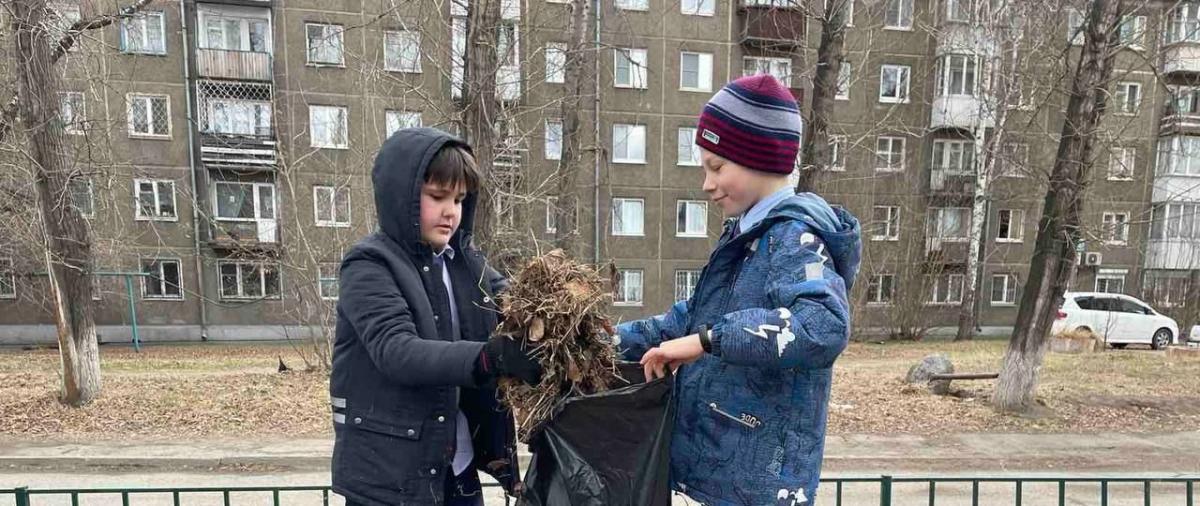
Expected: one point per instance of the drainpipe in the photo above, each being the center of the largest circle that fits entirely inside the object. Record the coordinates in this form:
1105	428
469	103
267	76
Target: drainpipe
191	136
596	131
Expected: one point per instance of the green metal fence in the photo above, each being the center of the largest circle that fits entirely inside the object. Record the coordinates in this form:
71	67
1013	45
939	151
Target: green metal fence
887	488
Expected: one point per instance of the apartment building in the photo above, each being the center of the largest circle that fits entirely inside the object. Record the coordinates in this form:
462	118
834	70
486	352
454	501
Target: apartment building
229	145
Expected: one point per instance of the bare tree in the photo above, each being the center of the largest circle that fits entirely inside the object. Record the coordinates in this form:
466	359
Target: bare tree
578	78
817	153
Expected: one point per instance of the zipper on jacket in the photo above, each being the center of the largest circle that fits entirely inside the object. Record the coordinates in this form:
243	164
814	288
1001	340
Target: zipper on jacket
752	423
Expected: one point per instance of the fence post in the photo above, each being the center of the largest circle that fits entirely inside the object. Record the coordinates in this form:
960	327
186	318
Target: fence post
23	496
885	490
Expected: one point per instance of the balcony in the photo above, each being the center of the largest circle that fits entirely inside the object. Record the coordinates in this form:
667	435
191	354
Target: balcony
964	112
945	252
1173	254
951	184
234	65
248	153
1175	121
773	27
260	236
1181	58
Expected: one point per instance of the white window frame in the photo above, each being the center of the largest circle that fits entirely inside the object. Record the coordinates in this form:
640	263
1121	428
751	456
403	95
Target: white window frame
632	5
403	43
551	215
618	205
86	182
1115	228
1016	225
621	294
706	8
161	278
8	272
1183	23
962	165
143	18
684	209
395	120
704	71
223	116
950	64
1121	97
156	184
891	227
849	4
1122	158
331	32
73	112
1074	26
323	276
1009	293
637	60
904	13
953	6
845	78
327	195
891	141
685	137
262	279
245	18
937	220
1138	35
1108	276
952	280
875	291
904	82
149	99
556	62
685	283
553	148
255	193
779	68
344	127
626	131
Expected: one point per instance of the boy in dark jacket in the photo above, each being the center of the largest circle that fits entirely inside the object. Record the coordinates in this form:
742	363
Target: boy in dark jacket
414	408
757	339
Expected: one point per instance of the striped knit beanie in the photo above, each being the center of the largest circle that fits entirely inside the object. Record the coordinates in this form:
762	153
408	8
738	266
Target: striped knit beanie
753	122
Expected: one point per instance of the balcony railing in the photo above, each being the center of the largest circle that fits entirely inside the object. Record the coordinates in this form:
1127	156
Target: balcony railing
239	152
227	64
772	26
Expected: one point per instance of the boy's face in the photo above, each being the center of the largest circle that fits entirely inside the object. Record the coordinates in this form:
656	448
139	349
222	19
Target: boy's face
731	186
441	212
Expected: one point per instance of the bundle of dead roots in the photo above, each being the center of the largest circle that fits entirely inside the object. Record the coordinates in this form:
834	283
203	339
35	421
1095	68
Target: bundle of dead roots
557	306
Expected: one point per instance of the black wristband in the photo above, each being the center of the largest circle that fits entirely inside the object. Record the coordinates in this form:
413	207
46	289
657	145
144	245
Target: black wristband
705	339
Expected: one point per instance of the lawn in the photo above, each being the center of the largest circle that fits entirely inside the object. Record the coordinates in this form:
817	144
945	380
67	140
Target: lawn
234	390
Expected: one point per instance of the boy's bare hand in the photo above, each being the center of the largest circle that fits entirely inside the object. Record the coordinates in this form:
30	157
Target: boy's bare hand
671	354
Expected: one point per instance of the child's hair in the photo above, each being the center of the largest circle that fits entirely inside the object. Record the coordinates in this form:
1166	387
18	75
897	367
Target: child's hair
453	165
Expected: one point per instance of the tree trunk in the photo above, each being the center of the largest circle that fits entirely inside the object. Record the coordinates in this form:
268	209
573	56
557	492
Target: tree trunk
817	154
69	256
1058	228
1191	309
577	79
479	116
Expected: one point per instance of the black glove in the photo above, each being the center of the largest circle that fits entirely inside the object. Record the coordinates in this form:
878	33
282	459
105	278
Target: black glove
505	356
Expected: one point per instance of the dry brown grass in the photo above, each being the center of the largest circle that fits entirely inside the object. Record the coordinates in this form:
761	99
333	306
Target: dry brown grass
234	391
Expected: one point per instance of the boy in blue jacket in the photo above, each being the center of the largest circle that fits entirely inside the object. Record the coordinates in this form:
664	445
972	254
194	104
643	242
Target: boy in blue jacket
756	342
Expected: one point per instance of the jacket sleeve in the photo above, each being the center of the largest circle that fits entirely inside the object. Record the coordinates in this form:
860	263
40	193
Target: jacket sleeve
634	338
373	304
496	281
809	325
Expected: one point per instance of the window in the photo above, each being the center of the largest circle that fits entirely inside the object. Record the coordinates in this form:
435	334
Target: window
691	218
1164	288
955	76
142	33
893	83
1010	226
698	7
234	33
1185	101
8	279
885	221
72	112
1131	30
1004	289
687	152
327	280
1121	164
899	14
630	68
164	280
1116	228
958	10
324	44
327	127
954	157
845	73
331	206
83	197
156	199
236	116
1176	221
945	289
889	154
554	139
1183	23
779	68
627	216
1014	159
1110	281
847	9
951	224
395	121
458	52
695	71
149	115
879	289
629	288
1128	98
629	143
685	283
508	44
1179	155
61	17
402	51
249	280
633	5
244	201
837	150
551	215
1074	26
556	62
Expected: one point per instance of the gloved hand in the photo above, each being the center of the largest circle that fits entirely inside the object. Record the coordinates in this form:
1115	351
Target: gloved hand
503	355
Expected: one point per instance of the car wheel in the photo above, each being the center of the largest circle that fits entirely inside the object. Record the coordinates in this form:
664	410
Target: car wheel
1161	339
1085	331
1118	346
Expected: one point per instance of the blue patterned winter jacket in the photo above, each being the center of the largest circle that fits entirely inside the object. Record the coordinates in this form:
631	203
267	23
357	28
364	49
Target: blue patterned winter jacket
750	424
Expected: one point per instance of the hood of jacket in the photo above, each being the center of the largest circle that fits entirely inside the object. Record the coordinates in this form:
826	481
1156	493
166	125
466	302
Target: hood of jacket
836	226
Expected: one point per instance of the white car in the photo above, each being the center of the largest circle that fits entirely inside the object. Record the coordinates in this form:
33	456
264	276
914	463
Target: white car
1115	319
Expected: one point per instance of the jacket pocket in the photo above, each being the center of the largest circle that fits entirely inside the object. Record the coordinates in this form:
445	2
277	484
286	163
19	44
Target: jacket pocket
380	455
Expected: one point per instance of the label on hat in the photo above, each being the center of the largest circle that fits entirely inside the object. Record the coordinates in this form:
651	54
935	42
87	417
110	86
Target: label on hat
711	136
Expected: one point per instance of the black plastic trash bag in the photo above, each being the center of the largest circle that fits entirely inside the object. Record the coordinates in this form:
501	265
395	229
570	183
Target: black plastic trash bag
606	449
